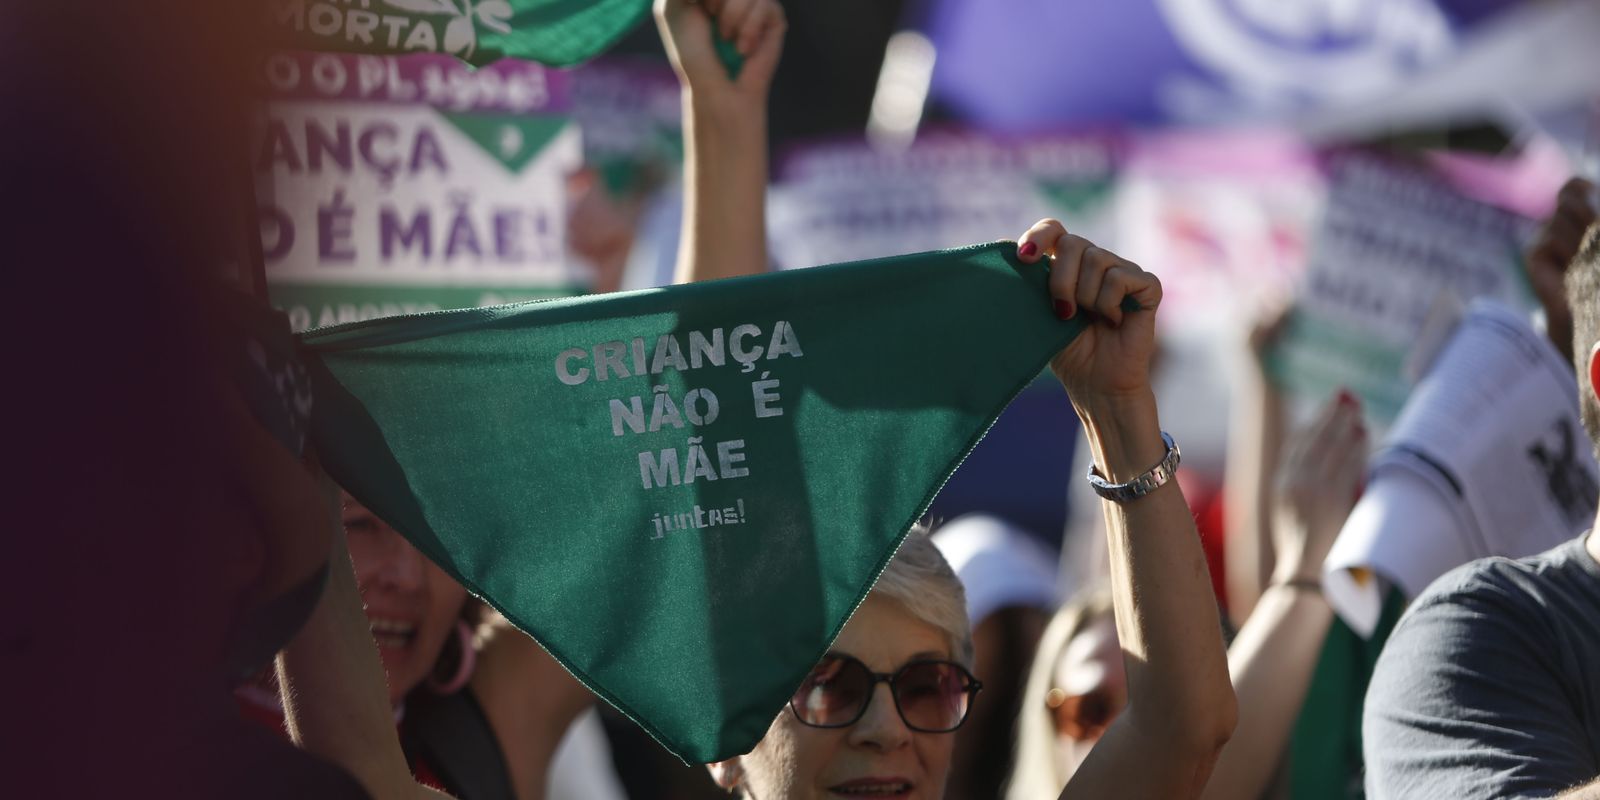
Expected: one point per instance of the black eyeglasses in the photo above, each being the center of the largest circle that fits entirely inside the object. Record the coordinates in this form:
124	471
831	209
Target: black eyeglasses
931	696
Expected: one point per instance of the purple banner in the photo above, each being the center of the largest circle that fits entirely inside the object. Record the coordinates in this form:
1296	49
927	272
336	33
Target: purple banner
1072	154
1011	65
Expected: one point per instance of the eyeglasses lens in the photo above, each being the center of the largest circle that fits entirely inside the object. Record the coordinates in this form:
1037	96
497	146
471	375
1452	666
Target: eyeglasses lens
932	696
833	693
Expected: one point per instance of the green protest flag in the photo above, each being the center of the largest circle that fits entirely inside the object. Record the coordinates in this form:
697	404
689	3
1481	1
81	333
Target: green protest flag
557	33
683	493
554	32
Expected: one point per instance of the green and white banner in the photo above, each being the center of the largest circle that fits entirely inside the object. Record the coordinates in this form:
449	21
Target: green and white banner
390	185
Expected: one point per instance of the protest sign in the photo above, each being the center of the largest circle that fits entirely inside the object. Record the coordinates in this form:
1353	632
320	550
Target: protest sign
846	200
1224	216
631	115
554	32
1488	459
683	493
389	185
1395	245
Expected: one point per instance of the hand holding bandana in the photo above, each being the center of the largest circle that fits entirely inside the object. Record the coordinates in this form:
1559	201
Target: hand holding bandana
1111	360
1180	696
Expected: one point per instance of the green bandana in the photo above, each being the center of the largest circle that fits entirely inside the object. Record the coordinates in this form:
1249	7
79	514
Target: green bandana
554	32
683	493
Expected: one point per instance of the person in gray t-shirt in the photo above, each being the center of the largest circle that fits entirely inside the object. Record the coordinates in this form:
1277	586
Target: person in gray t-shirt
1490	685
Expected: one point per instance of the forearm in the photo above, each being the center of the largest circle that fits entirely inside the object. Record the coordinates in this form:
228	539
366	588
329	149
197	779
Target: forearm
334	696
1255	434
725	168
1272	661
1180	702
530	701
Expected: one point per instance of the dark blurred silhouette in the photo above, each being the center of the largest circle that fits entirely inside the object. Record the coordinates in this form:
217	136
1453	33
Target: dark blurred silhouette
135	546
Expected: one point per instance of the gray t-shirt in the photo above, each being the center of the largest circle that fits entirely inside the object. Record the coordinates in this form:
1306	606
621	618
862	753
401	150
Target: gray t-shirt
1490	685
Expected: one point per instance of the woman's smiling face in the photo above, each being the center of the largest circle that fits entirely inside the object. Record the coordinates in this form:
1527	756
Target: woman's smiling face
878	756
412	604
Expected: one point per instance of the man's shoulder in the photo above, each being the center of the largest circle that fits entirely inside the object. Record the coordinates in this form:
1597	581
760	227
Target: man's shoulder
1489	653
1512	584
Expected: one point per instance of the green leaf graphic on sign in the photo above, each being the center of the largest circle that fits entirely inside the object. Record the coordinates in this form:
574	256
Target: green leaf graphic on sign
512	140
1074	195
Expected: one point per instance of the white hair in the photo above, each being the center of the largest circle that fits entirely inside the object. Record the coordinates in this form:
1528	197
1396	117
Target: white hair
921	581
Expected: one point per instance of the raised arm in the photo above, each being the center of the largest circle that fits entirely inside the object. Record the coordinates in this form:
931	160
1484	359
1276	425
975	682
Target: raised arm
1273	657
725	131
1547	258
332	683
1180	704
1255	435
530	701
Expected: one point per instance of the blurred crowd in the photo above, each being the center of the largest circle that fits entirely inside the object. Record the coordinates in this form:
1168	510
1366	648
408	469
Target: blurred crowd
197	610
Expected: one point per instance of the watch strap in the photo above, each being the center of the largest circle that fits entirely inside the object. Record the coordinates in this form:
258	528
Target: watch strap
1151	480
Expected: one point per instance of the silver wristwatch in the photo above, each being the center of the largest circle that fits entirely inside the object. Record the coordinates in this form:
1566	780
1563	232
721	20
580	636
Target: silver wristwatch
1152	479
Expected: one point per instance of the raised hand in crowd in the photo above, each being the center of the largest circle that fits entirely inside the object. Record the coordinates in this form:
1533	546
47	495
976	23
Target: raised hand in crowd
1275	654
1255	437
1075	691
1552	252
1321	478
1181	708
725	130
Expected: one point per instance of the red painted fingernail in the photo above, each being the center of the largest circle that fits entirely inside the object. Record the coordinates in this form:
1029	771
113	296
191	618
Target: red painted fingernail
1028	250
1064	309
1347	399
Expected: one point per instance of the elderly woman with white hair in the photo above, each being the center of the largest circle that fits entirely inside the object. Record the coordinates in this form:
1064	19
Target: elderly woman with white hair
876	717
838	736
